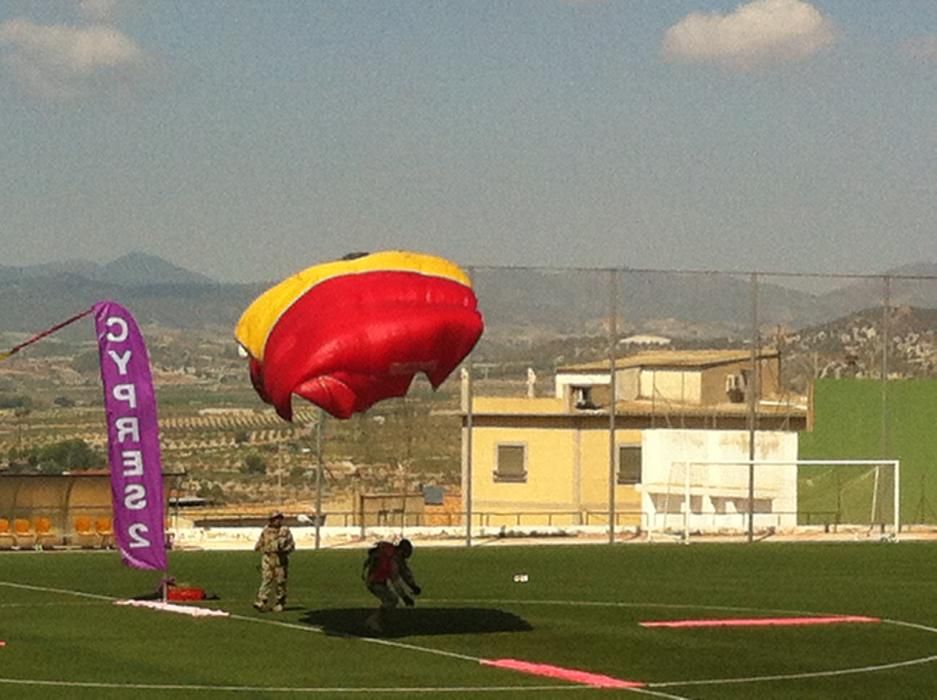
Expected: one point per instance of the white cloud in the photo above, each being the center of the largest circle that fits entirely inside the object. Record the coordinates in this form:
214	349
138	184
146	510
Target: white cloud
98	10
58	61
757	33
922	48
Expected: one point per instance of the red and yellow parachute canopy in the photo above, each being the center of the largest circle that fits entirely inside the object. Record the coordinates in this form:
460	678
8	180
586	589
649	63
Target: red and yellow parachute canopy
349	333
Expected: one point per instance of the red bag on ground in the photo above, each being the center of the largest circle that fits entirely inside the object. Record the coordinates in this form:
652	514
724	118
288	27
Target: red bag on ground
185	593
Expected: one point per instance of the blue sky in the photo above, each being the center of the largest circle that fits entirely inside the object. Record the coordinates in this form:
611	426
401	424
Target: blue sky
247	140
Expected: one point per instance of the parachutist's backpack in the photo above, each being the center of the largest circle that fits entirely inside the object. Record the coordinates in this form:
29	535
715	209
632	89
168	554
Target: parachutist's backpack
380	562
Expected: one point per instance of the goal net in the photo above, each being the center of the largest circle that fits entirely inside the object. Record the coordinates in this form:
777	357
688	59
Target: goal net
761	498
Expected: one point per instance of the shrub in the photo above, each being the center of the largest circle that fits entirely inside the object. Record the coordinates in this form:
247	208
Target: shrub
255	464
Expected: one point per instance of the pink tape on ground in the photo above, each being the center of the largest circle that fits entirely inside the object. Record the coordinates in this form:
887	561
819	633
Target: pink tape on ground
596	680
762	621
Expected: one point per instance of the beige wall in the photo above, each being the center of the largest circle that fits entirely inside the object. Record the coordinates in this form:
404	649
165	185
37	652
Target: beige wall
567	471
671	385
627	384
713	387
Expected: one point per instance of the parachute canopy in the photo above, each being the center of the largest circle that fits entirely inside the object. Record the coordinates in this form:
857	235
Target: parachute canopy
349	333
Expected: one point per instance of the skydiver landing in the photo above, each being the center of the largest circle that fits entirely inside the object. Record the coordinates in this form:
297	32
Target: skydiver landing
388	577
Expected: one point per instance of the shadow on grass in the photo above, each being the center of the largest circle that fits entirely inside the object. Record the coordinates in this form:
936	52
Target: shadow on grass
406	622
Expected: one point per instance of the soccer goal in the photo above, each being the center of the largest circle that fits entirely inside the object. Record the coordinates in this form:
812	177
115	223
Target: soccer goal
761	498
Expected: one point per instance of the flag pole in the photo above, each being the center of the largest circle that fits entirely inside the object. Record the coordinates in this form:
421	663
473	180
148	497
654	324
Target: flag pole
39	336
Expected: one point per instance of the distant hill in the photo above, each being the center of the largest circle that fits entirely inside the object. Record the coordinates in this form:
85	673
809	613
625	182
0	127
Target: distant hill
916	287
131	270
157	292
579	300
140	269
518	303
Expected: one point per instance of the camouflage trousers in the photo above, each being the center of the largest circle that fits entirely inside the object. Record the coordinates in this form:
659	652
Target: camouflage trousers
386	593
273	575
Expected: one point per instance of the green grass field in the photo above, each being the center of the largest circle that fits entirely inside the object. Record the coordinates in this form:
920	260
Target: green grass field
850	425
580	609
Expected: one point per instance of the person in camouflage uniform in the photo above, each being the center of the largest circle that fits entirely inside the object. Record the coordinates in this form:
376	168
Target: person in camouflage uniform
275	545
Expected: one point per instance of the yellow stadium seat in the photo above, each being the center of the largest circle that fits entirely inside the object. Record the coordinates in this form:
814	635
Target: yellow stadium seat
105	531
6	534
85	535
45	535
23	533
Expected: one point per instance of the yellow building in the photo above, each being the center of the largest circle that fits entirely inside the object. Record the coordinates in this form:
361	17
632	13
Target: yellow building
546	460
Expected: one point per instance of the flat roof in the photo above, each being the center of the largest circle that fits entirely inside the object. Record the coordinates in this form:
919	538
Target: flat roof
673	358
491	406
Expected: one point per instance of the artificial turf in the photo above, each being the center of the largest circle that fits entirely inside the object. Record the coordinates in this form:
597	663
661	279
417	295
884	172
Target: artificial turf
580	608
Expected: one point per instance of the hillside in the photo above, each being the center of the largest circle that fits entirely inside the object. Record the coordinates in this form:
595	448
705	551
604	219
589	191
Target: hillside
520	304
852	346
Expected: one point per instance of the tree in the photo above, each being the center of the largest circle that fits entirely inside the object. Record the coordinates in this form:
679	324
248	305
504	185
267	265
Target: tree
255	464
86	362
65	455
15	401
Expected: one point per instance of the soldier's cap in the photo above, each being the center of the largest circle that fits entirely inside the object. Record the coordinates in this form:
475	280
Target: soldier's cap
275	515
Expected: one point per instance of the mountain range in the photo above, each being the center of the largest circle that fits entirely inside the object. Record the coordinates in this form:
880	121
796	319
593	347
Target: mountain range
516	302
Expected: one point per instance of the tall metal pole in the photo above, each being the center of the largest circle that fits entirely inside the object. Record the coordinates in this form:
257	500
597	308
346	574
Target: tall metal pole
279	476
468	397
753	390
883	435
319	422
469	400
612	336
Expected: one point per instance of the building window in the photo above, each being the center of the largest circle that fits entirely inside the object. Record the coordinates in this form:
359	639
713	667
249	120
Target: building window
511	463
582	397
629	464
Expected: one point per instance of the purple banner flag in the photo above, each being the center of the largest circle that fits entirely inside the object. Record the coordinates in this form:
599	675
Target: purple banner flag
133	438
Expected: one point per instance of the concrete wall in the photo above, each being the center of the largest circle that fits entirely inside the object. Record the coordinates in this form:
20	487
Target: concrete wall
682	386
719	493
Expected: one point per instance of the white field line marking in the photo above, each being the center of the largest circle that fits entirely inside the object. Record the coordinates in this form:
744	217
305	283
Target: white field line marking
267	689
62	591
372	640
302	628
647	690
60	604
795	676
913	625
752	679
438	652
615	604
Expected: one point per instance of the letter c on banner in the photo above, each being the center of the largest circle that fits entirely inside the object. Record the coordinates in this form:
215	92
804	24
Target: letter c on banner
121	324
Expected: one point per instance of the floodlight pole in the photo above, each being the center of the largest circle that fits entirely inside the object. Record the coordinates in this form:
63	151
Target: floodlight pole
319	419
612	336
468	394
883	436
752	399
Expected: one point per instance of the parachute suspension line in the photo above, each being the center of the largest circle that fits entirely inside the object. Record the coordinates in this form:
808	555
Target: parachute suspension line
39	336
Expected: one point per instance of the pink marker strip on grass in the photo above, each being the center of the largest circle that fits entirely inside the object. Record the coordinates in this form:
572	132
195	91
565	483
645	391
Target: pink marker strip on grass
572	675
762	621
